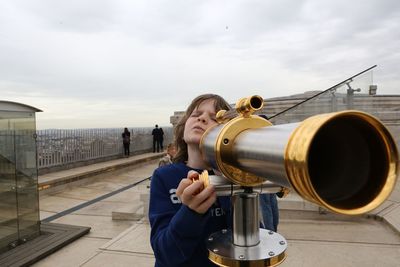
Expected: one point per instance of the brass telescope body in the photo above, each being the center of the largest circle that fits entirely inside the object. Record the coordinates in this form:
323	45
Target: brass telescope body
346	162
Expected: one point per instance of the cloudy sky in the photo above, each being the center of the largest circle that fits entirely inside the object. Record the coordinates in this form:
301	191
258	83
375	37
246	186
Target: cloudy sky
117	63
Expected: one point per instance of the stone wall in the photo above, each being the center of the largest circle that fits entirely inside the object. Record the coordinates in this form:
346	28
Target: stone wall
384	107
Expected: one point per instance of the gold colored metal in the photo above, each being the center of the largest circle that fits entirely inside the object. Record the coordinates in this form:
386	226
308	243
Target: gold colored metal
248	105
244	107
284	192
224	146
227	262
296	160
221	116
204	178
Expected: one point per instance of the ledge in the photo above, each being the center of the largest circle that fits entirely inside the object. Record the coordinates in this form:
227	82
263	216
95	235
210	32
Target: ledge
52	237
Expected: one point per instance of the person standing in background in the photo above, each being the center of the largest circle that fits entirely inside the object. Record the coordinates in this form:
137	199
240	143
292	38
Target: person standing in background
126	141
269	211
161	139
156	139
269	207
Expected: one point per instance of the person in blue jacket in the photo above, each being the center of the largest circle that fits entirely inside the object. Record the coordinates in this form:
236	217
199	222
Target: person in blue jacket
182	213
269	211
269	207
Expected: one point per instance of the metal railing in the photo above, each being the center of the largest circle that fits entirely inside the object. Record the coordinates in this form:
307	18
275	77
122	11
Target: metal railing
56	147
356	92
327	100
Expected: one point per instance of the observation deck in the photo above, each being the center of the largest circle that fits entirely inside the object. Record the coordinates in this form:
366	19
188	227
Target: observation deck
315	237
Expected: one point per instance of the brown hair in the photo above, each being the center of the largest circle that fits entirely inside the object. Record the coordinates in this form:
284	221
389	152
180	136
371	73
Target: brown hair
180	144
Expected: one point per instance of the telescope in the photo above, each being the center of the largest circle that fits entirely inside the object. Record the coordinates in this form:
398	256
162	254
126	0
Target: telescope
345	162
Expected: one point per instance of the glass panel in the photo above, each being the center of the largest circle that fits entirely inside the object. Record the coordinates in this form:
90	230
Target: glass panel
19	203
26	176
8	199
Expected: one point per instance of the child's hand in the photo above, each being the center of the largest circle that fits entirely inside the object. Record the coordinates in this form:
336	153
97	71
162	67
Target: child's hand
192	193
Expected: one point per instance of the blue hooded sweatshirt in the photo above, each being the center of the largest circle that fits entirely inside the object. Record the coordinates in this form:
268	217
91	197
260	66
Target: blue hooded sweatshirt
179	234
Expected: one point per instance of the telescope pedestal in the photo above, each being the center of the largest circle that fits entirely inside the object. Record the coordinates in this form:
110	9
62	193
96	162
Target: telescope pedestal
270	251
247	244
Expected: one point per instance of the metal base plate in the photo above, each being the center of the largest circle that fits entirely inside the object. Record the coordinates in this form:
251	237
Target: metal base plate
270	251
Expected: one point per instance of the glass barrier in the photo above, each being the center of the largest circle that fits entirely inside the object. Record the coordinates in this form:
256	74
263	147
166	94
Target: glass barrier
19	204
8	197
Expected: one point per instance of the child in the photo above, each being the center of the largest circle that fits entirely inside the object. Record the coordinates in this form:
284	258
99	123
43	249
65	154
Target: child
182	215
167	159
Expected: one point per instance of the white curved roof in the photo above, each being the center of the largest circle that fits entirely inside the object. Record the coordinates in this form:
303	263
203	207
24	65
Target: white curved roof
14	106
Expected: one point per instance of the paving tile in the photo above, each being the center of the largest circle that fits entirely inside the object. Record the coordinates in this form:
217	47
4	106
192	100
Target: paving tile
136	172
362	231
58	204
102	226
395	195
116	259
82	192
125	197
44	214
383	208
393	218
135	239
326	254
128	196
118	237
73	254
104	208
105	186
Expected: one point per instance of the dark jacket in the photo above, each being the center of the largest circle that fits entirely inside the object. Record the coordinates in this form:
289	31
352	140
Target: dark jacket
156	134
126	137
178	234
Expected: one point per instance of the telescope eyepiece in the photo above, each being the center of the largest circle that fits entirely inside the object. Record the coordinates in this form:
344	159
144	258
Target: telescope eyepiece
248	105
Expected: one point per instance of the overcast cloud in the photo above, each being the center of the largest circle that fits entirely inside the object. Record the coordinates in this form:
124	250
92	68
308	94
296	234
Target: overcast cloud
117	63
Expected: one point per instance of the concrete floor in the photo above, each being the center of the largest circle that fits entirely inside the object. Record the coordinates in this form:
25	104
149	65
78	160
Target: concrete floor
314	239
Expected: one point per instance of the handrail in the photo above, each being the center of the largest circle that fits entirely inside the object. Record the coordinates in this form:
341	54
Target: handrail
327	90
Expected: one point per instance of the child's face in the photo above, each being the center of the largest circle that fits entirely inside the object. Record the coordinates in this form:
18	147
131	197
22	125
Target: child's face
172	151
202	118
